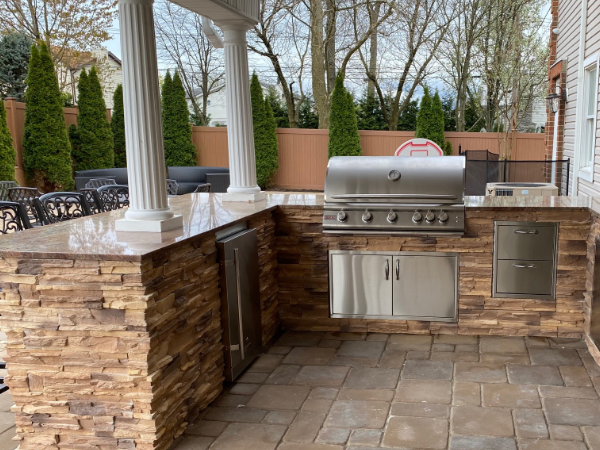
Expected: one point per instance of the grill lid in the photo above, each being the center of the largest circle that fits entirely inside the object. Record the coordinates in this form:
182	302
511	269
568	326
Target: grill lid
393	179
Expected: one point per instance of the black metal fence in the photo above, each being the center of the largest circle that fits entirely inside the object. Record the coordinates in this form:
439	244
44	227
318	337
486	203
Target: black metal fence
483	167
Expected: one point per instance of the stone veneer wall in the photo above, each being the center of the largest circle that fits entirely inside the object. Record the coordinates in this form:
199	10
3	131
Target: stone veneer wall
303	276
107	355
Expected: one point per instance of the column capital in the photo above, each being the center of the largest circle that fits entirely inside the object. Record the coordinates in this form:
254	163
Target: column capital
234	25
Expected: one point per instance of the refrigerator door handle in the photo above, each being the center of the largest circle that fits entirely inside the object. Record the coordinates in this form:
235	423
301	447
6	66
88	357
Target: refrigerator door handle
236	262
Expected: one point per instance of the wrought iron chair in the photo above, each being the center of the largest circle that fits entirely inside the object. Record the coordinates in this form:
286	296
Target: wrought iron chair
112	197
90	198
13	218
4	187
61	206
172	187
25	196
95	183
202	188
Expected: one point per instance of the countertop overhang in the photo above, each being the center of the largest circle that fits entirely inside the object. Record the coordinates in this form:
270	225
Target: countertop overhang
95	237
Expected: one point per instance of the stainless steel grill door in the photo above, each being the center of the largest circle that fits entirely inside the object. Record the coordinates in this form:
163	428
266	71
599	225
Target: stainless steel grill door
425	286
361	284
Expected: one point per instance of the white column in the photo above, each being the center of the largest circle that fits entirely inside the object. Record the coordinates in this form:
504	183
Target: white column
149	208
242	158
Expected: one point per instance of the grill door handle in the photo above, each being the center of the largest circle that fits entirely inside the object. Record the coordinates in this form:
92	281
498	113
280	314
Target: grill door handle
236	261
387	269
397	269
524	266
526	231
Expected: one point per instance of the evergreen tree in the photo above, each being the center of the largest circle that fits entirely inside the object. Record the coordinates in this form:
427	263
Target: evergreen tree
15	49
95	144
47	151
430	121
408	117
280	112
448	105
177	129
308	117
265	135
369	115
117	125
8	154
344	139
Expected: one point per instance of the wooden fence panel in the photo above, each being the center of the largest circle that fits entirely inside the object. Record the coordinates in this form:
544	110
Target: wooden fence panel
302	153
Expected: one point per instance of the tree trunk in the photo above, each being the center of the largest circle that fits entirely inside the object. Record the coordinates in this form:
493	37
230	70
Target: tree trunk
330	35
373	18
319	86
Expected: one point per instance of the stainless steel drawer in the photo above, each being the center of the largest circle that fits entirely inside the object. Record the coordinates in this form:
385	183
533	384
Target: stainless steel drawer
524	278
527	240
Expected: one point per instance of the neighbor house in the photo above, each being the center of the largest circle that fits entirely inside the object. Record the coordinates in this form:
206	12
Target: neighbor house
572	131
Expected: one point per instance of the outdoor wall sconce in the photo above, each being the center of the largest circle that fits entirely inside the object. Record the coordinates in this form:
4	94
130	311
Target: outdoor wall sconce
554	98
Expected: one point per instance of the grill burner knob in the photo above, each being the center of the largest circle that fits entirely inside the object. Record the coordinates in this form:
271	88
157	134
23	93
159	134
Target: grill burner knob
392	217
417	217
443	217
367	217
429	217
342	216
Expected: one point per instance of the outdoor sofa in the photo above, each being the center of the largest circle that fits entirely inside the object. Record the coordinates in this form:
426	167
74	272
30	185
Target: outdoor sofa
188	178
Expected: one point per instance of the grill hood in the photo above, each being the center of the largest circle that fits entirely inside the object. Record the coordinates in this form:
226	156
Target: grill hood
393	179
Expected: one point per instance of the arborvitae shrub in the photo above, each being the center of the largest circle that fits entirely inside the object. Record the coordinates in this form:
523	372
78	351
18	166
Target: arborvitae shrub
8	154
117	125
344	139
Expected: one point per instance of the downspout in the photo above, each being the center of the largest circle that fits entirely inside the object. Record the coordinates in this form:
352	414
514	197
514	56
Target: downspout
211	33
580	96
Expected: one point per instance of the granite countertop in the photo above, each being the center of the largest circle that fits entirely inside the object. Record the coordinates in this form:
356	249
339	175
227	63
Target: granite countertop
95	237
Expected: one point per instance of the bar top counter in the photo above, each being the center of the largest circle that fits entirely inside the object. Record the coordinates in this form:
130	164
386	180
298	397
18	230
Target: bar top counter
95	237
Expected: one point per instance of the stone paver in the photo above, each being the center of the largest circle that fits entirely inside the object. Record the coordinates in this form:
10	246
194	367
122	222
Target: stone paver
416	432
359	391
427	370
481	443
357	414
478	421
244	436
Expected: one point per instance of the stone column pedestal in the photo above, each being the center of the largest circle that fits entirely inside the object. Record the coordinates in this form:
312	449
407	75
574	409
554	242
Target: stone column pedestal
242	158
149	208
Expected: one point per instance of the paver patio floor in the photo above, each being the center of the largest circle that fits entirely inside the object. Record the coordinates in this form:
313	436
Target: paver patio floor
351	391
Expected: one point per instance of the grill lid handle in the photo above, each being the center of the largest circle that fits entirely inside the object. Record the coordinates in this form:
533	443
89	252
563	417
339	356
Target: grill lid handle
399	196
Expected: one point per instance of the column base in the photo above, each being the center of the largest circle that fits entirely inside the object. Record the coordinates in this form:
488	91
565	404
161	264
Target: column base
244	197
149	226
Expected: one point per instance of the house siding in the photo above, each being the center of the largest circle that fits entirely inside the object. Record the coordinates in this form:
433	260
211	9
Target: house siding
568	51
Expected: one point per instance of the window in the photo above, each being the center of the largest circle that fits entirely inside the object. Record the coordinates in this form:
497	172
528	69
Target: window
590	107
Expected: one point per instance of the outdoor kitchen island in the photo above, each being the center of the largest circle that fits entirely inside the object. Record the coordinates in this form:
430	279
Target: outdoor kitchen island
114	340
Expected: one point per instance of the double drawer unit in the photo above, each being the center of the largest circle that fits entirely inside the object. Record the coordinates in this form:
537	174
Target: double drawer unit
525	260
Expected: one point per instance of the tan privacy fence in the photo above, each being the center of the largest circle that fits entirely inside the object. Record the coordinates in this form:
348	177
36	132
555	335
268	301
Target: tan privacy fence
302	153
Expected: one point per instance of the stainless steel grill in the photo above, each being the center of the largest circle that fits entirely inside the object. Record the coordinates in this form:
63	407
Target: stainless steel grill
395	195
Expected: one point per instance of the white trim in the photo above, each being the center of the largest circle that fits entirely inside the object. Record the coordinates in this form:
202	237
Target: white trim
579	101
587	172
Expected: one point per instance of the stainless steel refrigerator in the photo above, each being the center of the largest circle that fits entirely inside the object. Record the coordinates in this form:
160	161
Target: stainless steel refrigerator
240	295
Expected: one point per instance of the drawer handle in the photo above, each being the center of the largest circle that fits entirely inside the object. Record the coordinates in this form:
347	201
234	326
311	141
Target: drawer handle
526	231
524	266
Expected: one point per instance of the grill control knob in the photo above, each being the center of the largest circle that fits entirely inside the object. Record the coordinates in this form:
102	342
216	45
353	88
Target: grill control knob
367	217
417	217
342	216
392	217
429	217
443	217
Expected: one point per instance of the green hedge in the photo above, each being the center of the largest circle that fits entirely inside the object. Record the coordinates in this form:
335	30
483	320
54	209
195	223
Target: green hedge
8	154
117	125
46	147
344	139
265	135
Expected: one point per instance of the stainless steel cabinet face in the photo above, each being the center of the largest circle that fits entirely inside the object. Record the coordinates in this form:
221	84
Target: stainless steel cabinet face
361	284
425	286
525	260
240	295
400	285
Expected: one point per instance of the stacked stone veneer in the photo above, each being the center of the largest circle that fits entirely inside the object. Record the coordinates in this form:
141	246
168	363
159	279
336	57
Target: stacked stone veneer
591	267
109	354
303	276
